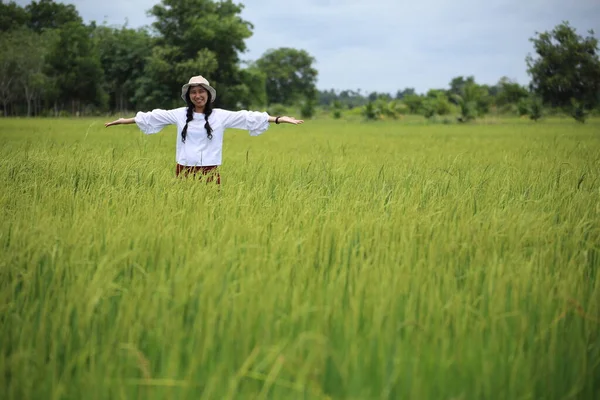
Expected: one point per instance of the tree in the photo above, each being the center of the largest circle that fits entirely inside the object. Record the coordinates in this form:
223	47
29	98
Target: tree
199	37
47	14
566	73
30	58
8	69
352	98
472	99
122	53
436	103
336	109
370	111
509	92
256	82
401	94
457	87
327	97
535	109
290	74
12	16
467	101
414	102
75	66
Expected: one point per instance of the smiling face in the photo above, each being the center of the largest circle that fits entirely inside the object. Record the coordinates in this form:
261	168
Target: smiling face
199	97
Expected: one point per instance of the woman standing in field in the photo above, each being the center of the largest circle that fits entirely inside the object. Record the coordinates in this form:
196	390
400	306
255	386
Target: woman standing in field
200	127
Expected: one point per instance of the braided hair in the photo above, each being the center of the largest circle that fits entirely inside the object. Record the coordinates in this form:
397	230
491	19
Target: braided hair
190	115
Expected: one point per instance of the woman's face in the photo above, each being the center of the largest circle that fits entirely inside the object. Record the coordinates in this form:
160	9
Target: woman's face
198	96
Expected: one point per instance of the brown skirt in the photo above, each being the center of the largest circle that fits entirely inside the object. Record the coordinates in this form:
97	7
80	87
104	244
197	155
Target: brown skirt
211	172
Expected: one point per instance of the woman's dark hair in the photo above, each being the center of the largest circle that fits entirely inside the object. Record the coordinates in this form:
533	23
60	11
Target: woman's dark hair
190	115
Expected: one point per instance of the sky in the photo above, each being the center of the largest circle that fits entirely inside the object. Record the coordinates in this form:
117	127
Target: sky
388	45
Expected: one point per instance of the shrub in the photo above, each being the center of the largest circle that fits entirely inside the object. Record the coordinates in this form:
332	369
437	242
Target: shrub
337	110
370	112
578	111
277	109
523	107
307	110
535	109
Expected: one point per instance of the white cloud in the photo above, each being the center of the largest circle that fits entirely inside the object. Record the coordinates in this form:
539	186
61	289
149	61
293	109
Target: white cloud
386	45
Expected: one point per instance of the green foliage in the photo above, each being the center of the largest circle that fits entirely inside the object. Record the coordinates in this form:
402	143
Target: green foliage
198	37
374	96
382	108
428	108
74	65
47	14
290	75
255	81
277	109
510	92
51	60
414	103
12	16
472	99
8	68
391	109
370	111
401	94
22	65
468	110
33	51
458	86
536	108
567	69
122	54
336	110
348	99
436	103
524	106
93	66
307	109
578	111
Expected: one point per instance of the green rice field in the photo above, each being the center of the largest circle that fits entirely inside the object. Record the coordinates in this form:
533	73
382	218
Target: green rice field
337	260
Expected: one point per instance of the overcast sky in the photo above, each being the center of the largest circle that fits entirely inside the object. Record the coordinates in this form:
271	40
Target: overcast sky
386	45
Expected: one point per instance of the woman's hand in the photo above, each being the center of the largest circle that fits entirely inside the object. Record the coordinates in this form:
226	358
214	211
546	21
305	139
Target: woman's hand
120	121
290	120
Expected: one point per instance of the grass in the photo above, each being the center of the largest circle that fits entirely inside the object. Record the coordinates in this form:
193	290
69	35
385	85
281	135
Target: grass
337	260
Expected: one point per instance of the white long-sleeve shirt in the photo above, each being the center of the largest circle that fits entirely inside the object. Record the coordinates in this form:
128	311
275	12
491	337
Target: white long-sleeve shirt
198	150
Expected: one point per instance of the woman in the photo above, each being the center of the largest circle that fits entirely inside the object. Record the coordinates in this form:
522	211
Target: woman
200	127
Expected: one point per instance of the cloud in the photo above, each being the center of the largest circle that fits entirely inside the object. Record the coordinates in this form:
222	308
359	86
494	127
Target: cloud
386	45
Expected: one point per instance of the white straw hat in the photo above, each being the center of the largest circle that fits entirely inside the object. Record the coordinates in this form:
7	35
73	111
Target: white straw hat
199	81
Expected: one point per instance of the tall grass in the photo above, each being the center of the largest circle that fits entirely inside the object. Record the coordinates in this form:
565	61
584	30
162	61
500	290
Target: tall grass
337	260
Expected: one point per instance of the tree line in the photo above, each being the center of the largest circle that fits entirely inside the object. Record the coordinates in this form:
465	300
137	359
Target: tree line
565	79
52	64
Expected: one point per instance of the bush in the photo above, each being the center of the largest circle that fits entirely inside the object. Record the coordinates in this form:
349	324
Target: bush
429	108
307	110
578	111
277	109
337	110
370	112
523	107
535	109
468	111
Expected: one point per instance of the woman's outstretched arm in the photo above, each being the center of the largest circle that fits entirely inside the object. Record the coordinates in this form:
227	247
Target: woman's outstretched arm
285	120
120	121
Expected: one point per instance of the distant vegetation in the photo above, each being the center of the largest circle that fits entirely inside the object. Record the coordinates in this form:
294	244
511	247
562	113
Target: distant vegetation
52	64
